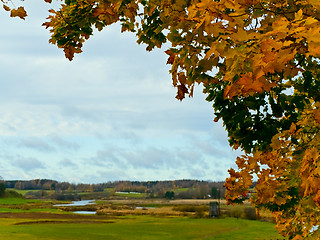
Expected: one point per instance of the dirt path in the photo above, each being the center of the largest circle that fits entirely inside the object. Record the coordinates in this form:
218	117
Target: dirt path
61	222
55	218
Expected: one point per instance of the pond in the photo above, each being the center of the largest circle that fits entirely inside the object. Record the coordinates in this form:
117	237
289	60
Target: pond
144	208
78	203
85	212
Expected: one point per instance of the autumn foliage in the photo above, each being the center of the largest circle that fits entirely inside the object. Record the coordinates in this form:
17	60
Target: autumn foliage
258	61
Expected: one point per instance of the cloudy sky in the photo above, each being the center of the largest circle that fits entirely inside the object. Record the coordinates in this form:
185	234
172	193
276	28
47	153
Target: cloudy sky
111	114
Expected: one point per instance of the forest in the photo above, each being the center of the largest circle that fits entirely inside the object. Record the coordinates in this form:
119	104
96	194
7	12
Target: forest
178	189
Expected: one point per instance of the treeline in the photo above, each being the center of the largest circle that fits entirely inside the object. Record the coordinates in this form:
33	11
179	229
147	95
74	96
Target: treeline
181	188
153	189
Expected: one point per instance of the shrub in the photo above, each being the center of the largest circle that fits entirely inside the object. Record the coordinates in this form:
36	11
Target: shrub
250	213
236	212
185	208
12	194
2	189
242	212
200	211
66	197
169	195
36	194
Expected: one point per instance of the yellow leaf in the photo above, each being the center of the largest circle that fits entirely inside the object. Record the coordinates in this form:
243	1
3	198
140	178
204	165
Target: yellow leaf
311	20
241	35
299	29
211	51
280	25
213	29
316	198
259	73
241	163
229	4
314	49
299	15
287	43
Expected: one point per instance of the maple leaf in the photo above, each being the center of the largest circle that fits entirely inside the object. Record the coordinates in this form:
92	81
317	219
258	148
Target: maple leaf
182	91
69	53
172	56
19	12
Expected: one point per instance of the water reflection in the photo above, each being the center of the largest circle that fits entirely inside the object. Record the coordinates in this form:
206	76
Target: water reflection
85	212
75	203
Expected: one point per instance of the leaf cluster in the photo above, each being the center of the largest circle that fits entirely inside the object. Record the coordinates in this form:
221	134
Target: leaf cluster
14	12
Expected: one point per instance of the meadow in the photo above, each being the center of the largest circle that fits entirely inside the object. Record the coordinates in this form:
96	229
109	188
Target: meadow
137	227
121	219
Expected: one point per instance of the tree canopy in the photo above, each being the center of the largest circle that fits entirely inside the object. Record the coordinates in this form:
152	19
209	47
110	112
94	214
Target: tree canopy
258	61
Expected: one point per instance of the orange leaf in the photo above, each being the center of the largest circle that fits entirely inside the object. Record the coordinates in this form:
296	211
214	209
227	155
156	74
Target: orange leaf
316	113
69	53
5	7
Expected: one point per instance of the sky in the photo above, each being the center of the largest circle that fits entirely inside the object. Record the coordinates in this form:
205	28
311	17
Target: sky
110	114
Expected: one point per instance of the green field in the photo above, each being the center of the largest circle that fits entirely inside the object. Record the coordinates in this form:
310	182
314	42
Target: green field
23	192
139	227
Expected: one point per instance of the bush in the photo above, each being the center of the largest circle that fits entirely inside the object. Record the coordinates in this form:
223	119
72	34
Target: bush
169	195
200	211
184	208
36	194
236	212
66	197
2	189
12	194
250	213
242	212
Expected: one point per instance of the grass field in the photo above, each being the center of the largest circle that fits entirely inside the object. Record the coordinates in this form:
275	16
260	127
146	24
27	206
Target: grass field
17	201
23	192
136	228
36	219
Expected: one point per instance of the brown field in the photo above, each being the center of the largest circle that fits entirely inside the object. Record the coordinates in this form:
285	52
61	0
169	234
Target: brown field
168	202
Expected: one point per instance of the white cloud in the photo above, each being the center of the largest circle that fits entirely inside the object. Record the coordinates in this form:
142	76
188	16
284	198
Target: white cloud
27	164
67	163
36	144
